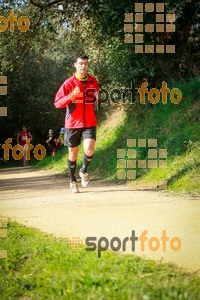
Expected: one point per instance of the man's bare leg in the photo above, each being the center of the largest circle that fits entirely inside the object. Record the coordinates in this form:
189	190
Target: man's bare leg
88	146
73	153
24	157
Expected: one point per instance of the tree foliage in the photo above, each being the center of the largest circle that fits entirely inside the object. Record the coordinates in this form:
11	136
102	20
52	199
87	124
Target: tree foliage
38	61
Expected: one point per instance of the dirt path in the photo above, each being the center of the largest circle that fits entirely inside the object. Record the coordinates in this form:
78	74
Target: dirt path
43	200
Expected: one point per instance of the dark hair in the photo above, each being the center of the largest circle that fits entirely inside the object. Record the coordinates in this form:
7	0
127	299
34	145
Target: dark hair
82	56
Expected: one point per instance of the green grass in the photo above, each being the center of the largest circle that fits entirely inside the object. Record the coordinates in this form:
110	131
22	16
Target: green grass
58	163
176	127
40	266
182	173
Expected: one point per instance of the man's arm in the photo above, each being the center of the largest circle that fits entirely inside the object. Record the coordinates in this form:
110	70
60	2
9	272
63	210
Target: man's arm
64	96
48	138
30	136
18	138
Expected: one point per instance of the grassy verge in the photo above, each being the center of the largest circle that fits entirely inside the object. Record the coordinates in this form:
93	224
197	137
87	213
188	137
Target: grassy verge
182	173
39	266
176	128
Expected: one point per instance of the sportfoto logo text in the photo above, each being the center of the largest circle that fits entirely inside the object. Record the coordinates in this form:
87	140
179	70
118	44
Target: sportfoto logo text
103	244
22	23
18	151
153	95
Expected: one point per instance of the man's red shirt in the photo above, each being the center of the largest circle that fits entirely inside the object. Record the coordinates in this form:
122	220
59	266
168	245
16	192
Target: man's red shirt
79	99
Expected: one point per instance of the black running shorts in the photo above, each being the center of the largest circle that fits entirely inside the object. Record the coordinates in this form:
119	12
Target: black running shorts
72	137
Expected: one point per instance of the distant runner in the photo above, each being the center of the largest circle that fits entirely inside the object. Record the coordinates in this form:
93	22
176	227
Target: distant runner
78	95
61	137
52	142
23	137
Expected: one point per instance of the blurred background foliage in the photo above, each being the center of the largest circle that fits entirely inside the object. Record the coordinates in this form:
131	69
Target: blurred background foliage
38	61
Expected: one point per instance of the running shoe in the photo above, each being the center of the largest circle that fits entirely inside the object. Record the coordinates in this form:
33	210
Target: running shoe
85	179
74	187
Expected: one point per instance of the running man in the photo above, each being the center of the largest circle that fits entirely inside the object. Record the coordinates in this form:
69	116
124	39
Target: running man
78	95
24	137
52	142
